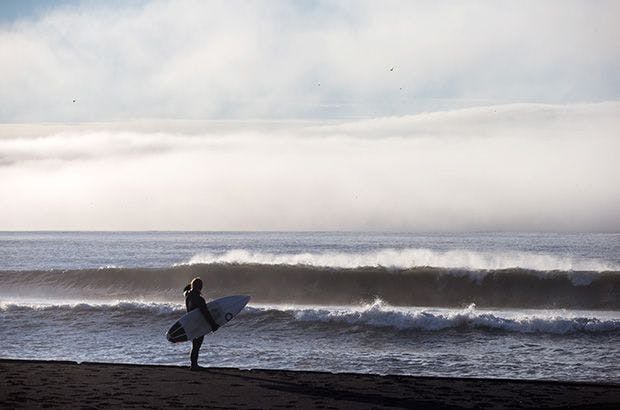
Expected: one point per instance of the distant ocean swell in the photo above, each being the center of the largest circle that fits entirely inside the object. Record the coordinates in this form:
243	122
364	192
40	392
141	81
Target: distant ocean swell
372	317
305	284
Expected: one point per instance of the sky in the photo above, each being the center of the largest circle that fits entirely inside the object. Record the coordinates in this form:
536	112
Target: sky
310	115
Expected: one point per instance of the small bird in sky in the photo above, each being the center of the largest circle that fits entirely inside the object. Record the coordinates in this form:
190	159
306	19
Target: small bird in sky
74	100
392	69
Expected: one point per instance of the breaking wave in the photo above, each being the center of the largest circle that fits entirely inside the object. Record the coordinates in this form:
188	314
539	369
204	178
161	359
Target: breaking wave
376	316
75	309
379	315
306	284
412	258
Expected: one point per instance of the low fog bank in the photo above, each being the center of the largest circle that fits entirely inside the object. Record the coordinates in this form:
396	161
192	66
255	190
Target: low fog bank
507	167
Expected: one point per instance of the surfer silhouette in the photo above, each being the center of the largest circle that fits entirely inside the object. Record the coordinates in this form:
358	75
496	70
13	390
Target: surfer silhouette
193	300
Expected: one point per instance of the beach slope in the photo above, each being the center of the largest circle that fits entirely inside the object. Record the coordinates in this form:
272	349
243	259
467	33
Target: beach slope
26	383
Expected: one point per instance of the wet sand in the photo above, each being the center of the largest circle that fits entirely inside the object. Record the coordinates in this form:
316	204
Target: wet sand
25	383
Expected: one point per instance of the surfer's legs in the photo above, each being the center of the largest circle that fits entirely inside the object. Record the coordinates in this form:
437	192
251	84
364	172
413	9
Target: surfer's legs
196	343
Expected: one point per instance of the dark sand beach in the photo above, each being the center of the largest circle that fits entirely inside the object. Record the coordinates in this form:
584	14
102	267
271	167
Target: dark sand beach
26	383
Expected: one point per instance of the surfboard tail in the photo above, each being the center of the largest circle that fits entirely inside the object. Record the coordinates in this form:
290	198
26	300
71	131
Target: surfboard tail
176	333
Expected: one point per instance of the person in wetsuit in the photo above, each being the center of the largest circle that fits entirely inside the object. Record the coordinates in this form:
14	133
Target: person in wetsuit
193	300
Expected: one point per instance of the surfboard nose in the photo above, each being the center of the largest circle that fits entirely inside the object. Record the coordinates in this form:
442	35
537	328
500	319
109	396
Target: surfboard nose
241	299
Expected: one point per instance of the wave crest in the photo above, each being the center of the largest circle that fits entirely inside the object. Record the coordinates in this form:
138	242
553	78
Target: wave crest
375	316
125	307
302	284
411	258
379	315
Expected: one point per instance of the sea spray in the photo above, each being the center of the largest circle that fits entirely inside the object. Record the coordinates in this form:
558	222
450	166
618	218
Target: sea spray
468	260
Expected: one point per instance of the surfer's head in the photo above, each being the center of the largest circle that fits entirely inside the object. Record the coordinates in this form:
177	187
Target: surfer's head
196	284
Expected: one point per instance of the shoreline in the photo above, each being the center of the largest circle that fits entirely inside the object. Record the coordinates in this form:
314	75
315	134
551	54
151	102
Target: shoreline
41	383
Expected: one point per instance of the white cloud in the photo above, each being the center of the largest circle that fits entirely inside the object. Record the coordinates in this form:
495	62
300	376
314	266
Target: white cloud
532	152
514	167
196	59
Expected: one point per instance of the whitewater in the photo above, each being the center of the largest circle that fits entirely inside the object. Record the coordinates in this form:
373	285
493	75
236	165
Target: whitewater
533	306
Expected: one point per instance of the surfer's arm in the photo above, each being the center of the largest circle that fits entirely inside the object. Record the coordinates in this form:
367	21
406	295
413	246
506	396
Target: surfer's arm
207	315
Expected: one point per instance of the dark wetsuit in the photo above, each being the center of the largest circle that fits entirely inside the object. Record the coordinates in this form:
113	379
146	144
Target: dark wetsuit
193	300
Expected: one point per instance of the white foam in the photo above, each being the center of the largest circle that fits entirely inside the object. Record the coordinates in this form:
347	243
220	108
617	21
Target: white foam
373	315
379	315
157	308
413	257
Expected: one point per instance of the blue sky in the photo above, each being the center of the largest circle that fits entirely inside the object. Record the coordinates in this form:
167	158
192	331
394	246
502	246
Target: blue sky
13	10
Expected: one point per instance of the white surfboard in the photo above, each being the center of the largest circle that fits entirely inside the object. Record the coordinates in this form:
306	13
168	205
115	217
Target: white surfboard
193	324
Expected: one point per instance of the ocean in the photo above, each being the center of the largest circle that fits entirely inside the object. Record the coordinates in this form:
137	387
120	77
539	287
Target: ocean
497	305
